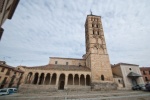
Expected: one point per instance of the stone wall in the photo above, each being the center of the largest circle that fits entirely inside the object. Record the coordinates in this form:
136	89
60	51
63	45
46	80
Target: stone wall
70	61
29	88
104	86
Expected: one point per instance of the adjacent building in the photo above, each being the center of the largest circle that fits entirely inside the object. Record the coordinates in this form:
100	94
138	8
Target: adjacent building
127	75
9	76
7	9
146	74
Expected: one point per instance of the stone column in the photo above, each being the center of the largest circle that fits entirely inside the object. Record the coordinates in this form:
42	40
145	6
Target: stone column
73	79
38	80
85	81
66	80
32	78
57	79
44	80
50	80
79	80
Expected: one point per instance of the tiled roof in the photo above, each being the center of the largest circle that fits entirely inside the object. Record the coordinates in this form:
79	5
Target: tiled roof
145	68
10	67
60	67
66	58
123	64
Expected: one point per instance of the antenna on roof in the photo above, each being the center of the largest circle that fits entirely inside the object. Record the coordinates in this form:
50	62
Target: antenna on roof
91	12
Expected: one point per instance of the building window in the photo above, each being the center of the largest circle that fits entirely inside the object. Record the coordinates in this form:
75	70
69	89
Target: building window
102	77
119	81
144	73
93	31
98	32
146	79
66	63
92	25
130	69
56	62
2	69
8	72
1	5
79	64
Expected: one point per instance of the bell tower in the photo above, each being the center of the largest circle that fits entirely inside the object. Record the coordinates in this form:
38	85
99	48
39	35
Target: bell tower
97	58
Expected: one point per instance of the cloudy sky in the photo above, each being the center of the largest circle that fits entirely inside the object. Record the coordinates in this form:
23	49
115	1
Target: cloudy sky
41	29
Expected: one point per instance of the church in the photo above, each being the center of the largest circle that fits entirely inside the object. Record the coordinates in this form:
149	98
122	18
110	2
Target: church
92	72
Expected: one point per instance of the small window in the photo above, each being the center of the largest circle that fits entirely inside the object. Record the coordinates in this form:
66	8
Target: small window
66	63
8	72
144	73
93	32
92	25
79	64
98	32
130	69
146	79
102	77
56	62
2	69
98	25
119	81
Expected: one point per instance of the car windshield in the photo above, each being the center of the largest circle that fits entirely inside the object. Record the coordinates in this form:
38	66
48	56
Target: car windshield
3	90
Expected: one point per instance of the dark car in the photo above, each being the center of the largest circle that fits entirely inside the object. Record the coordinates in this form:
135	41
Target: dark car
138	87
147	86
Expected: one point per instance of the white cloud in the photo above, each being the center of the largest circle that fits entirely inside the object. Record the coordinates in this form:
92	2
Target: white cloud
40	29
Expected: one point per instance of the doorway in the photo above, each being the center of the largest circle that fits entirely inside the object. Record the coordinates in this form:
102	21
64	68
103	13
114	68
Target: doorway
61	86
134	82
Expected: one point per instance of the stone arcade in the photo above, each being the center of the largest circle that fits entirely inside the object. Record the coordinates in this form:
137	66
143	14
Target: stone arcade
93	71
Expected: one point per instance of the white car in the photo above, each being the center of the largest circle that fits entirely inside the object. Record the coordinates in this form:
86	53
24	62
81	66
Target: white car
14	90
5	91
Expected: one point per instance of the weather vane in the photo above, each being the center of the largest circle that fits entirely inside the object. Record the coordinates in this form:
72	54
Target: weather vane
91	11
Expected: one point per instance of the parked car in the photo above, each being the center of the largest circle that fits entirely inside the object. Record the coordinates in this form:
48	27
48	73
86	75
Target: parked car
136	87
12	89
147	86
139	87
5	91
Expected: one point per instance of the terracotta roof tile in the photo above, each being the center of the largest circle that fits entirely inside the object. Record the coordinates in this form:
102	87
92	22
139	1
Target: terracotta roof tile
60	67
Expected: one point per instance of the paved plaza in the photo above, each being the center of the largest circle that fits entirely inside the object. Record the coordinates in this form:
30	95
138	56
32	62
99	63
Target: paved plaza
81	95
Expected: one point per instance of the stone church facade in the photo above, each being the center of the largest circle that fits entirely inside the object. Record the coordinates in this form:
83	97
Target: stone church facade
93	71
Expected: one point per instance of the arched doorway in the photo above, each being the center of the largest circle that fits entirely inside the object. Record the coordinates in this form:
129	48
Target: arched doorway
70	79
61	86
82	80
53	80
36	78
61	82
76	79
29	77
102	77
41	79
47	79
88	81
